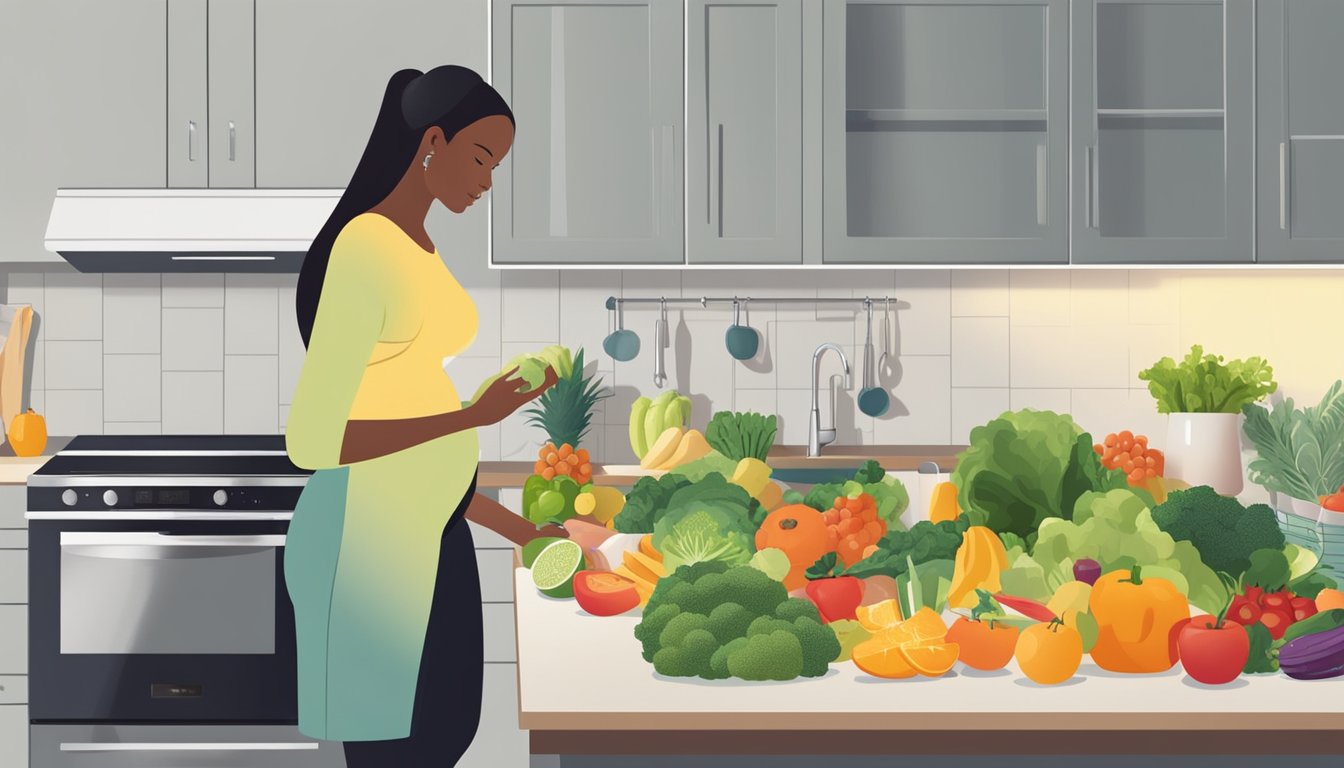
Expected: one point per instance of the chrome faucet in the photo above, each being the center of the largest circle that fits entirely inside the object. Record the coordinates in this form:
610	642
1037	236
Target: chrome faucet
816	436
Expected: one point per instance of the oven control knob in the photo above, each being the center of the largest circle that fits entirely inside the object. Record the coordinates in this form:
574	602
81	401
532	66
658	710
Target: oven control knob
221	498
110	498
69	497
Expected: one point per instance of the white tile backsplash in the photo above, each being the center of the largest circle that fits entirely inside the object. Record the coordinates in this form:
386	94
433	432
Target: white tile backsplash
132	388
132	313
969	344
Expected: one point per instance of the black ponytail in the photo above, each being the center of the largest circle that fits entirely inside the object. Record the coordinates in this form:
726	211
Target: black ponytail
450	97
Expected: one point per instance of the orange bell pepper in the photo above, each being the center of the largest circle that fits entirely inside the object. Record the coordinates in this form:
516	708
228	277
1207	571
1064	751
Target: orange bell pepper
1136	619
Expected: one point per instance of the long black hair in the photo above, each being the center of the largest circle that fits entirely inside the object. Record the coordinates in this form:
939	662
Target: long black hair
449	97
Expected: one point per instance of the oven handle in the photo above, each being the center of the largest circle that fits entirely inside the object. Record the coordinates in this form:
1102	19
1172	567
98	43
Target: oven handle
151	539
289	746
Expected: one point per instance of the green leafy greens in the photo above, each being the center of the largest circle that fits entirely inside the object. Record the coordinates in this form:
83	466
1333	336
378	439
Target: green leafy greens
741	435
1301	452
1205	384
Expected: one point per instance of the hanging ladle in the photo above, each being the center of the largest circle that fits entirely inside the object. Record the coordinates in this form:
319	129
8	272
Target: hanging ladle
621	344
873	400
661	341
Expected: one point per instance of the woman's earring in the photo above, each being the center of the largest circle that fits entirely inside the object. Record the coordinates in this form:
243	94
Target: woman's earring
426	163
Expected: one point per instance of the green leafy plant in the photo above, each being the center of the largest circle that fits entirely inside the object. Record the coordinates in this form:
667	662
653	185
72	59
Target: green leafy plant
1206	384
1300	451
741	435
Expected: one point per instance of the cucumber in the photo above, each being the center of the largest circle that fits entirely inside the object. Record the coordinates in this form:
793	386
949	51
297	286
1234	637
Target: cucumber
1315	624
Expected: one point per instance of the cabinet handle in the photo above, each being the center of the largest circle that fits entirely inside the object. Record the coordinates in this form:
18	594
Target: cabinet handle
191	141
287	746
233	144
664	163
1040	185
1283	185
1091	182
718	182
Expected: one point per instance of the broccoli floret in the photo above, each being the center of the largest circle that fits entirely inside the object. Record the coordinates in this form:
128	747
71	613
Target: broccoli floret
764	625
795	607
651	627
755	591
688	658
1224	532
718	663
774	656
728	621
680	626
820	646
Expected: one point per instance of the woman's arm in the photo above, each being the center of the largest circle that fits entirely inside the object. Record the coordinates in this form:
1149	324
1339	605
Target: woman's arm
487	512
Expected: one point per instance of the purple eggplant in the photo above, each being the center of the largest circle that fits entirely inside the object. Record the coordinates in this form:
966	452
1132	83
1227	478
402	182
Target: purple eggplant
1087	571
1314	657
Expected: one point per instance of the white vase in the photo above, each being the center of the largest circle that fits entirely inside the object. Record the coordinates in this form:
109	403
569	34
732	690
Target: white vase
1205	449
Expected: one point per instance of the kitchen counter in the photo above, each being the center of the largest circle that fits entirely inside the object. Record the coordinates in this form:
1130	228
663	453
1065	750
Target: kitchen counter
899	458
584	688
14	470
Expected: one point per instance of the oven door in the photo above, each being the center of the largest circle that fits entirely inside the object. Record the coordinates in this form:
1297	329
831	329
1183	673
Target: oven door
160	621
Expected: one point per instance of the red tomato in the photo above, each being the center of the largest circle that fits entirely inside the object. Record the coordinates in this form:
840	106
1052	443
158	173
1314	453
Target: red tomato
1277	621
1254	594
603	593
1214	656
1243	611
1303	607
1275	600
1334	503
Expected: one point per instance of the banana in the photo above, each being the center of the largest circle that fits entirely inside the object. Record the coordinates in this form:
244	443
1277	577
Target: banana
638	441
653	421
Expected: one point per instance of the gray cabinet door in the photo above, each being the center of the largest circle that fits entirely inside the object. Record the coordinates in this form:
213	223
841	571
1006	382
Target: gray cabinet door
84	92
232	137
596	172
321	71
744	131
1162	124
1300	151
945	131
188	102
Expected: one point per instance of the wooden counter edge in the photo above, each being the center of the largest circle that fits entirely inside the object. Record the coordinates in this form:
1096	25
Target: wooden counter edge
962	735
894	722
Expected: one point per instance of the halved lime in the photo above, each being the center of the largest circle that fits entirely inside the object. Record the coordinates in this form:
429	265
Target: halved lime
554	568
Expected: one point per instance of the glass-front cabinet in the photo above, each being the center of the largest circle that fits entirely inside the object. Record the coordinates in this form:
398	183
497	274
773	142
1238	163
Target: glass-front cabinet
945	131
1301	130
596	171
1162	131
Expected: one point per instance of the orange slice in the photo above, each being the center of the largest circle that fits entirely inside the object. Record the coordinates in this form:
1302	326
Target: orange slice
879	658
931	660
925	626
879	616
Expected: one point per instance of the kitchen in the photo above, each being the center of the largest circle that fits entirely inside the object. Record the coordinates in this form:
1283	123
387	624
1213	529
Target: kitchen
1049	212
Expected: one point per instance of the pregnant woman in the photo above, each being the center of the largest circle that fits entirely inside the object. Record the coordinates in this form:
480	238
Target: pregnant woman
379	563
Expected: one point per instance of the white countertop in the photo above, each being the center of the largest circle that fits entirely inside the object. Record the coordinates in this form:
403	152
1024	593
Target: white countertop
581	672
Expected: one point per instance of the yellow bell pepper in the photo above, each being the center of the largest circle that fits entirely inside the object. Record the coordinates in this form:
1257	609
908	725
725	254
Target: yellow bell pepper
1135	618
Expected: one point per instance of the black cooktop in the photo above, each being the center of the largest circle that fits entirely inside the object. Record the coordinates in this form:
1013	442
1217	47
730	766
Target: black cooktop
172	455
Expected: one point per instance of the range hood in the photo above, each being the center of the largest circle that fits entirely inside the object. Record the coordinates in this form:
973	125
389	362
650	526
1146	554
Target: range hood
187	230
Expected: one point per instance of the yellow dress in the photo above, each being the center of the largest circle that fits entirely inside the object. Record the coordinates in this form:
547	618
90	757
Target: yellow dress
363	546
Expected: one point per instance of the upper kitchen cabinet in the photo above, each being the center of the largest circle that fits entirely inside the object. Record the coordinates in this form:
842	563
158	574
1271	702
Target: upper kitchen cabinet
744	144
1162	125
596	172
211	127
84	92
322	68
945	131
1301	131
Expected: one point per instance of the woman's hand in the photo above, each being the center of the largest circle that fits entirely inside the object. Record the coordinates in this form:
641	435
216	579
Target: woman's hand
505	395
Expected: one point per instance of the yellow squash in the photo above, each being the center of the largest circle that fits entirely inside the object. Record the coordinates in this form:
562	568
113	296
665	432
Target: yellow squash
980	560
943	504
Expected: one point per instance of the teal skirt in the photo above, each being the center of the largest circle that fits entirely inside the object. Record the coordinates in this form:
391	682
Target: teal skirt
361	558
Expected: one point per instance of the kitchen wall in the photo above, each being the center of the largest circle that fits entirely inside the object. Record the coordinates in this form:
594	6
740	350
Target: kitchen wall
220	353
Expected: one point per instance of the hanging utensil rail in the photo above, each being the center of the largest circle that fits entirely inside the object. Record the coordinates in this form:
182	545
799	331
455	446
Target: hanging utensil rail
867	301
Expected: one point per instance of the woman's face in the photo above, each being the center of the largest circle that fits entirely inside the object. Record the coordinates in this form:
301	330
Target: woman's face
460	172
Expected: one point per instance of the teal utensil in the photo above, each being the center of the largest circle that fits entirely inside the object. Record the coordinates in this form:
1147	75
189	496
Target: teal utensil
621	345
742	340
873	400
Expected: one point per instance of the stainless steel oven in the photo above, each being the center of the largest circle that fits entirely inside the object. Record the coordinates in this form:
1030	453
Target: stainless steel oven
157	591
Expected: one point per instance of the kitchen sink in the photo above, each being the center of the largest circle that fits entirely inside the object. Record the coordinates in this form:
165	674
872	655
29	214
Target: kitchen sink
791	464
813	475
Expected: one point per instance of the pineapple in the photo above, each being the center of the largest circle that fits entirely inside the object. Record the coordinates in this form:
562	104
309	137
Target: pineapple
564	413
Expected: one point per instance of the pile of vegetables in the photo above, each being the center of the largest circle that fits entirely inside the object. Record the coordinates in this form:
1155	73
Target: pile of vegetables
714	621
1301	451
1203	383
1027	466
889	495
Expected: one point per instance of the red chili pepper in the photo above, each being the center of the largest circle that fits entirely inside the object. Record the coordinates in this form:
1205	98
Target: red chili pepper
1027	607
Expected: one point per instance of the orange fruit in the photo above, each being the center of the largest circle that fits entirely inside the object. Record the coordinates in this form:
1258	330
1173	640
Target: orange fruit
879	616
926	625
880	658
981	647
1329	598
1049	653
931	660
